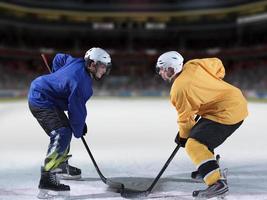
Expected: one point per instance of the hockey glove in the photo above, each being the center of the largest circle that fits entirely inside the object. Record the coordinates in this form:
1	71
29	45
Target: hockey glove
180	141
84	129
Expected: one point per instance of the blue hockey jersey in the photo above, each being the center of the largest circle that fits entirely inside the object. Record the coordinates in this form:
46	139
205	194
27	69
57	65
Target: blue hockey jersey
68	88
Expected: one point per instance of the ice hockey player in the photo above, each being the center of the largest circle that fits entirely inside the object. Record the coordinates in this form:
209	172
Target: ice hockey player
198	88
67	88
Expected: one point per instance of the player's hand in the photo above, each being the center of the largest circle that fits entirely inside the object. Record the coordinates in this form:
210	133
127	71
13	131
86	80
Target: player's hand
84	129
180	141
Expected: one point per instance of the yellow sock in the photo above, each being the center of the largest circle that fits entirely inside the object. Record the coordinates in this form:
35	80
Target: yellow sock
204	160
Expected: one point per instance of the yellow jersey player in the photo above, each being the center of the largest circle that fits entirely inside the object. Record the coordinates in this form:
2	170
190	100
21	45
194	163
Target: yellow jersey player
198	88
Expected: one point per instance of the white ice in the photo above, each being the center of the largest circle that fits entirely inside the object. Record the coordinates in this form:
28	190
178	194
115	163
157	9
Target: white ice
130	139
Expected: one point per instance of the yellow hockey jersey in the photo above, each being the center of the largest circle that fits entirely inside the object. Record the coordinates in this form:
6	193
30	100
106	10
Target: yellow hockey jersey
200	90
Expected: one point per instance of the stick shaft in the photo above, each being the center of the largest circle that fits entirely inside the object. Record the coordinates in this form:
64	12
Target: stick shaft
164	167
104	179
46	63
166	164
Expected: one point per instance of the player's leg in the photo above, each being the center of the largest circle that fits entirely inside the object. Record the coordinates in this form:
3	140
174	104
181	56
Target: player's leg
49	184
67	171
52	119
57	128
204	137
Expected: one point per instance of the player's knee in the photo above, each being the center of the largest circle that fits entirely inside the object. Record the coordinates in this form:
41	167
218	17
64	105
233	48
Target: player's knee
191	146
197	151
192	149
65	132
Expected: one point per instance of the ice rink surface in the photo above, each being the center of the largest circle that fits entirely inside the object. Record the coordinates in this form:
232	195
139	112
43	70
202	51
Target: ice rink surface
130	139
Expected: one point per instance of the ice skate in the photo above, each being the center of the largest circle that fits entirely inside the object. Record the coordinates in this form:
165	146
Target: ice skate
68	172
218	189
50	188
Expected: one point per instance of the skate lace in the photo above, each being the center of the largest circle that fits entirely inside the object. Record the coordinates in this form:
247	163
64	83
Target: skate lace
54	180
68	168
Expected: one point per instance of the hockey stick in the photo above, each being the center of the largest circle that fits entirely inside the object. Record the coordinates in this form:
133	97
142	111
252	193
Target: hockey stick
117	186
45	62
130	193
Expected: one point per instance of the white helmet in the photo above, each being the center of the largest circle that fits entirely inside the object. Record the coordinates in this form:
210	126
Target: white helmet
170	59
98	55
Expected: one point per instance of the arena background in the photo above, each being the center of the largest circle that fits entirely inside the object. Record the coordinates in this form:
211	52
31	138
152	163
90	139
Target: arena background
131	122
135	33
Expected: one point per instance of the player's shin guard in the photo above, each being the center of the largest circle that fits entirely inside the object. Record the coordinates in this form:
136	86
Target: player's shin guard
204	160
58	148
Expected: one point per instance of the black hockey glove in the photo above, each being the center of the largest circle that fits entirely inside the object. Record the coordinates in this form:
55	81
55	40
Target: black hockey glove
84	129
180	141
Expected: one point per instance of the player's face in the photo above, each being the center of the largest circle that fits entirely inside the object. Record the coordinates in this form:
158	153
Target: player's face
166	74
100	70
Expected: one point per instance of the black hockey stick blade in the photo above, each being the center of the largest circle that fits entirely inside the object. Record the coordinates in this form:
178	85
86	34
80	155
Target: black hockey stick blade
134	194
116	186
130	193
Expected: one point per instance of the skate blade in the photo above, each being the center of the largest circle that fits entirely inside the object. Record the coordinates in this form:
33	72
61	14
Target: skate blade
218	197
223	196
68	177
50	194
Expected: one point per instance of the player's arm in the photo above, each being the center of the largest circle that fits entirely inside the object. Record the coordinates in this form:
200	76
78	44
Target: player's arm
187	108
77	112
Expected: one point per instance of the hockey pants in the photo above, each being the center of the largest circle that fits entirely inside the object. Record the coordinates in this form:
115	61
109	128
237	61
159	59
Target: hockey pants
56	124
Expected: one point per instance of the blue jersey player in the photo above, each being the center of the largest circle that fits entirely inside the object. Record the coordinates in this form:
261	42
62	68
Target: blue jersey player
67	88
